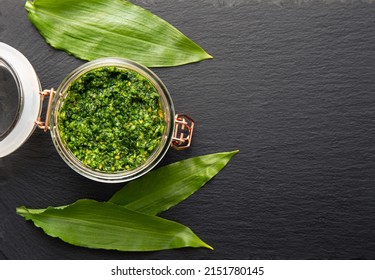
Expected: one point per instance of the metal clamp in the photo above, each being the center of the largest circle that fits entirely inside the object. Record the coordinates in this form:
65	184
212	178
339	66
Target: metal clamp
39	123
183	132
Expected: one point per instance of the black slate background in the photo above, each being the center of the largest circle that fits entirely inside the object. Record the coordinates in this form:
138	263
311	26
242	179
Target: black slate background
291	86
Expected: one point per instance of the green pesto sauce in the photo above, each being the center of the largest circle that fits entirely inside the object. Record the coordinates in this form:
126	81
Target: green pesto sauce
111	119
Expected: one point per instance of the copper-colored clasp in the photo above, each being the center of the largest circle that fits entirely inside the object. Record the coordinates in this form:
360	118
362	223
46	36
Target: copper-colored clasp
183	132
39	123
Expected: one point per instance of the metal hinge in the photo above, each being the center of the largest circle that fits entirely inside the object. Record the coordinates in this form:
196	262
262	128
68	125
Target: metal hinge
39	123
183	132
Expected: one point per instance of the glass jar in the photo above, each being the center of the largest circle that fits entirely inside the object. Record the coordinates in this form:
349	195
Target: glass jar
18	75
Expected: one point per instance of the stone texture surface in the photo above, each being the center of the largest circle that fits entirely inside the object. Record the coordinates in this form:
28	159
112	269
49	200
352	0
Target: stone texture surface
291	86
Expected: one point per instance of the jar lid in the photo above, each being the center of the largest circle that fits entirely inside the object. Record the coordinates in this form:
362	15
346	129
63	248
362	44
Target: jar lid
20	102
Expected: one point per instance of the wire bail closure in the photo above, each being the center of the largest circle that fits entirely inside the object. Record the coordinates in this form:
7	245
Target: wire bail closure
43	94
183	132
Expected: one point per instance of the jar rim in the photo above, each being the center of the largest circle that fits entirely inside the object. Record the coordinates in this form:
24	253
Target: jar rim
152	160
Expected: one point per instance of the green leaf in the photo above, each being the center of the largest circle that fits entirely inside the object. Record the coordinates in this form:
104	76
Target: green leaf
103	225
90	29
165	187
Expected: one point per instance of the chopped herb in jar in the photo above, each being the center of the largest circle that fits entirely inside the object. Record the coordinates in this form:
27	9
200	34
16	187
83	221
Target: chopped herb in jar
111	119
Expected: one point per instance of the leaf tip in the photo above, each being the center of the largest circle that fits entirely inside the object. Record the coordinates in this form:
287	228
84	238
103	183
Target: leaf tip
205	245
233	153
207	56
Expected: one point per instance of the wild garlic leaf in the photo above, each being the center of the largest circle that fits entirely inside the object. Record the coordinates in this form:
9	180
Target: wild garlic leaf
103	225
126	223
90	29
167	186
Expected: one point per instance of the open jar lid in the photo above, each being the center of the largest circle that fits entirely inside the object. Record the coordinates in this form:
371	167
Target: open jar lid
20	103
